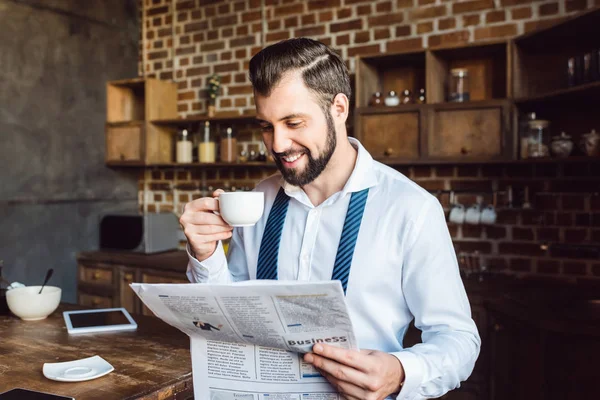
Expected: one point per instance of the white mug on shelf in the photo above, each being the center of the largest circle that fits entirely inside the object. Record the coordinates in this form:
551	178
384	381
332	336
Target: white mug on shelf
489	215
473	214
457	213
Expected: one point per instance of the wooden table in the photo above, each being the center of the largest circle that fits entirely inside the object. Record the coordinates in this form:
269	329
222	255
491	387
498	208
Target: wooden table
152	362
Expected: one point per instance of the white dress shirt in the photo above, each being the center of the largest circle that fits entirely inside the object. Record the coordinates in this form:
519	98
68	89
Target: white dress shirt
404	267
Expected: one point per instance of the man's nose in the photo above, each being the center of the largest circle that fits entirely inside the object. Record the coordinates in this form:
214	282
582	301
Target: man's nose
281	140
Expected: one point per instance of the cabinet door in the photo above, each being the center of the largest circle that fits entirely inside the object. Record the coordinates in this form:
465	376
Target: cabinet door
127	297
394	135
474	132
90	300
96	275
125	143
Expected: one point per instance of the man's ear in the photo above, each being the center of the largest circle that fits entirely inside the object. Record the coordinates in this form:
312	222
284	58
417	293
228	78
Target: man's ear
340	108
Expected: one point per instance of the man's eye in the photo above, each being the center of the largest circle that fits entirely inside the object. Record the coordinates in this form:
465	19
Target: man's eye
266	128
293	124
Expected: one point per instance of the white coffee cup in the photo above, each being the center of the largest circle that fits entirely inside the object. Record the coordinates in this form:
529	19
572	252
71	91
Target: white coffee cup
457	214
241	208
473	214
488	215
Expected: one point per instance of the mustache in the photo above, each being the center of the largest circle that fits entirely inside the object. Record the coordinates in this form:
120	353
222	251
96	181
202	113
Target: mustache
287	153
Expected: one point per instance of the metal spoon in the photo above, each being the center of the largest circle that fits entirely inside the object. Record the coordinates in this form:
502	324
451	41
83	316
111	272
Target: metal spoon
48	276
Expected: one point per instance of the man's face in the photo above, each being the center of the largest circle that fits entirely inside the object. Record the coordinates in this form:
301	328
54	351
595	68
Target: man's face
301	137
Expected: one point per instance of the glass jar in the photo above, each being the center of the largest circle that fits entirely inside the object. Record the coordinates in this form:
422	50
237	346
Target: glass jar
539	139
561	146
422	99
184	148
524	120
392	99
207	149
459	85
376	100
407	97
228	146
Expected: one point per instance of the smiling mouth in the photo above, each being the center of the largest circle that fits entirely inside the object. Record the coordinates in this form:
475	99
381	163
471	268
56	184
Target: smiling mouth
292	160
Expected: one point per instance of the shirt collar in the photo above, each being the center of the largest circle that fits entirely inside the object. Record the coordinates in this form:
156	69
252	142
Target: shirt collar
363	177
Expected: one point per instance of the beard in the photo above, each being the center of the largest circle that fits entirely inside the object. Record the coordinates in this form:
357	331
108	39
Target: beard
314	166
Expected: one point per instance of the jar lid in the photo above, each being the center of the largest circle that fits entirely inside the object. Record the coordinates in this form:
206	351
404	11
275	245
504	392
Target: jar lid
459	72
561	137
539	124
392	93
406	92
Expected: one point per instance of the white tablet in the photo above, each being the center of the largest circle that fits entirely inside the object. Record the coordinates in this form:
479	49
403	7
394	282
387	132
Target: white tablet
100	320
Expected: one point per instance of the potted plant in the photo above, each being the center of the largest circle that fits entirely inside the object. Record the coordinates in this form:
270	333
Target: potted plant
214	85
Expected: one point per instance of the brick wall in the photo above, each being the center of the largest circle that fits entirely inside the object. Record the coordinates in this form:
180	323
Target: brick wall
203	37
187	40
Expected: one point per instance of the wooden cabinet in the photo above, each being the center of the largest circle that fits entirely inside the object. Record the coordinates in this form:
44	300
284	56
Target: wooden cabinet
104	277
131	136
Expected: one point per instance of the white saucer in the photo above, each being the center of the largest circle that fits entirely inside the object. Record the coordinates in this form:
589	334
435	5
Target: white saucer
78	370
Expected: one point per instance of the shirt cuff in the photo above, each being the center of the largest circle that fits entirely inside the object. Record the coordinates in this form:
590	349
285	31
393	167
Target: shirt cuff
413	373
201	271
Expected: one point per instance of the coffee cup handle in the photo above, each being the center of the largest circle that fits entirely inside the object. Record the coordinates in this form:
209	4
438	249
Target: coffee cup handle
215	211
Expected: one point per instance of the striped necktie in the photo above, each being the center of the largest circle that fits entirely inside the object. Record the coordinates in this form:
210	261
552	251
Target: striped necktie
269	246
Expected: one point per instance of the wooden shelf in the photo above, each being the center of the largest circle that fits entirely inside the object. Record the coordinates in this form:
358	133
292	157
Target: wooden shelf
125	123
215	165
390	110
561	94
469	105
203	118
486	161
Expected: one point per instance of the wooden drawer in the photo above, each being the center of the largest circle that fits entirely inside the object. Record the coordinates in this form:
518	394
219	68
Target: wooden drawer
95	275
125	142
455	131
89	300
394	134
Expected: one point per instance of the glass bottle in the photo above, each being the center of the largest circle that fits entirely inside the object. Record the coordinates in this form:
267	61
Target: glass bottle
184	148
392	99
459	85
228	147
376	100
407	97
422	99
207	148
539	138
524	133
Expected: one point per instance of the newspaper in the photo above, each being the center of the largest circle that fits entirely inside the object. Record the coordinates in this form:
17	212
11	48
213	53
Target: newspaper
247	338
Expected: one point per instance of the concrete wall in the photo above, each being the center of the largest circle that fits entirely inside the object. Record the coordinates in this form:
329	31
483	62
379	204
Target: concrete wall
55	59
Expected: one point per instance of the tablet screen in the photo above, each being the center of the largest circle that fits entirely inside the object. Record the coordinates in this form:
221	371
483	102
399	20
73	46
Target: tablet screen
100	318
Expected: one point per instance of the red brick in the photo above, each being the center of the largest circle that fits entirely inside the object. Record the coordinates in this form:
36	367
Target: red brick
547	202
459	37
472	231
596	269
424	27
543	23
197	14
527	249
421	172
342	39
548	9
206	47
548	234
574	268
522	233
404	30
197	71
227	32
226	56
224	8
575	235
453	230
308	19
212	35
158	44
233	90
241	30
351	25
507	217
496	264
195	26
321	4
548	267
277	36
405	3
583	219
229	67
348	2
386	19
470	20
520	264
383	33
311	31
495	16
251	16
361	37
295	9
240	78
564	219
364	10
573	202
405	45
426	2
474	5
183	62
445	171
156	11
225	21
384	7
495	232
427	12
185	5
472	246
240	6
498	31
446	23
240	102
153	55
343	13
522	13
325	16
595	202
225	103
576	5
362	50
184	40
291	22
186	96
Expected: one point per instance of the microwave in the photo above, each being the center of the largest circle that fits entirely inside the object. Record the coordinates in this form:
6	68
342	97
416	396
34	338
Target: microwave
141	233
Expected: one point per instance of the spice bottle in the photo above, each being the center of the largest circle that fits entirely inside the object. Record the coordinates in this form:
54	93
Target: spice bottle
228	147
207	148
184	148
459	85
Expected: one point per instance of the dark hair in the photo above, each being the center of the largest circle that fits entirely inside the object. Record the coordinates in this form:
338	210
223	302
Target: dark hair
323	71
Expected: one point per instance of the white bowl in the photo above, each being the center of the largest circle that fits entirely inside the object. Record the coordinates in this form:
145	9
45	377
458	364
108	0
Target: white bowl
28	305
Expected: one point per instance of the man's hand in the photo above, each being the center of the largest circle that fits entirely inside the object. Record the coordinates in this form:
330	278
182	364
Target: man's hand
202	227
361	375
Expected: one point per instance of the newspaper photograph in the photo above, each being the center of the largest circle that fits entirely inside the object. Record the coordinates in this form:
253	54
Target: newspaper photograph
248	338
